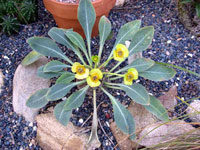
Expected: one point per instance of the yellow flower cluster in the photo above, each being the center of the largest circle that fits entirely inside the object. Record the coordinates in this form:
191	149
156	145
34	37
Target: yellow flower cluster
94	76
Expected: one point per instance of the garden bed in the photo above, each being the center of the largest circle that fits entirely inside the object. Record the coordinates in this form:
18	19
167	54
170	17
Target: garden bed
172	44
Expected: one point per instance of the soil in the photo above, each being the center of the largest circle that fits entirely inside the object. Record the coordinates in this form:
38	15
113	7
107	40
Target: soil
72	1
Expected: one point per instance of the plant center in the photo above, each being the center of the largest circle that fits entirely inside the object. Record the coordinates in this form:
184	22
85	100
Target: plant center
120	53
130	76
95	77
80	70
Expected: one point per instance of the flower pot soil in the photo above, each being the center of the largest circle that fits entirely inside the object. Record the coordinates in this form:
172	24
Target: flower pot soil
65	13
171	41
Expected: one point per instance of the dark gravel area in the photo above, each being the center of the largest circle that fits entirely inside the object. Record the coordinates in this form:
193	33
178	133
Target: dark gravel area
172	43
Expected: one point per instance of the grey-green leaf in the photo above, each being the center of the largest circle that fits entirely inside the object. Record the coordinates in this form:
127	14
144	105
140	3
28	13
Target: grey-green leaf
76	99
127	31
47	75
58	91
59	36
141	40
67	77
38	99
157	109
55	66
123	117
47	47
158	72
76	39
104	29
63	116
137	93
32	57
86	17
141	64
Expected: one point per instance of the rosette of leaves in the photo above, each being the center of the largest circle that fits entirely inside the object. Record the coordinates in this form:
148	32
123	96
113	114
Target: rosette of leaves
91	71
9	24
28	11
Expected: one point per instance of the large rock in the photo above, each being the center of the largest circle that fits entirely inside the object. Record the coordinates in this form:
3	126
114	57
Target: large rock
1	80
169	99
142	119
158	132
51	135
194	111
25	83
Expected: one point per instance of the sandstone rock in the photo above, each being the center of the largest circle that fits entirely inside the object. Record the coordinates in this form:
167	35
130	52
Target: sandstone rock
142	119
120	2
51	135
157	133
1	80
25	83
194	111
169	99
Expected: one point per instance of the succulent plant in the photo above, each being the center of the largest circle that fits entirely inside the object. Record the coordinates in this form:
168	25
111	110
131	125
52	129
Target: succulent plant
94	74
9	24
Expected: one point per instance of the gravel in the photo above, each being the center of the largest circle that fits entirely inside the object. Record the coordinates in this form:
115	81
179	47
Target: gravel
172	43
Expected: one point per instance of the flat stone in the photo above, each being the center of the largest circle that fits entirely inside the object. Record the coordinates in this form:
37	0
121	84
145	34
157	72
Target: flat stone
169	99
1	80
26	83
51	135
142	119
158	132
194	111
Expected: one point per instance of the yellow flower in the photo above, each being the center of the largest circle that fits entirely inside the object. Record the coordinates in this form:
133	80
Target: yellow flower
120	53
95	76
95	59
131	75
80	70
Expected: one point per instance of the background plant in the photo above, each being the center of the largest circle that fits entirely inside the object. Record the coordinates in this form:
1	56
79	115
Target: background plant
196	4
94	73
14	12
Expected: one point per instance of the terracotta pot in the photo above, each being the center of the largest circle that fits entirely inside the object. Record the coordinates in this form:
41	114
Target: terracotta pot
65	14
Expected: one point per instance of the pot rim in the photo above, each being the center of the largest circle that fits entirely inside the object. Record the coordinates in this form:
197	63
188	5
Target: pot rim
72	4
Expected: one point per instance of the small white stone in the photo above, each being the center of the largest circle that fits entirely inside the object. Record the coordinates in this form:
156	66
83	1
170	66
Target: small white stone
190	55
192	37
137	81
151	94
30	124
34	128
30	144
178	78
168	21
117	93
80	121
5	57
177	84
64	98
169	41
167	53
21	148
154	40
107	124
77	109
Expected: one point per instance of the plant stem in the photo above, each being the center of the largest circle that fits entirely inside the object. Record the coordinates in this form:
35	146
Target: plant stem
108	83
113	87
180	68
93	135
115	78
113	74
119	63
105	63
99	55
